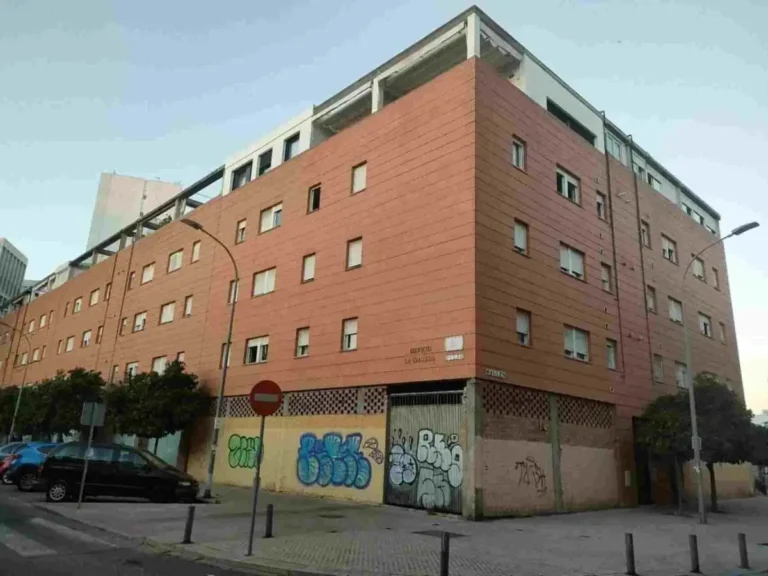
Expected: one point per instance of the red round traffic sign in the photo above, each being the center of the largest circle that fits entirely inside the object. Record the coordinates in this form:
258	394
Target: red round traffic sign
265	398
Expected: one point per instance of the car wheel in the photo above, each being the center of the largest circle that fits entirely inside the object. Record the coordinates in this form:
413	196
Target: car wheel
27	481
7	479
57	491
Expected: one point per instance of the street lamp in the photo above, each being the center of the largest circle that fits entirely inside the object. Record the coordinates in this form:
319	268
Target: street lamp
695	440
219	399
23	378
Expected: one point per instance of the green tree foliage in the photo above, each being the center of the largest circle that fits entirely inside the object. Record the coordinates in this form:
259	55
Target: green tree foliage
8	397
34	410
154	405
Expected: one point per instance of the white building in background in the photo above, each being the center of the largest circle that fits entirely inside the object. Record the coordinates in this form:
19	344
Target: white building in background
13	265
121	200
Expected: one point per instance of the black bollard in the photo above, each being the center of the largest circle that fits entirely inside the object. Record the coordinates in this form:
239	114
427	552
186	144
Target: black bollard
445	552
188	525
268	528
629	546
743	550
694	546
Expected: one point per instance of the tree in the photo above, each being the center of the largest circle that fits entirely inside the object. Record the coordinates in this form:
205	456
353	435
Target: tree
153	405
34	410
8	397
724	426
665	432
758	450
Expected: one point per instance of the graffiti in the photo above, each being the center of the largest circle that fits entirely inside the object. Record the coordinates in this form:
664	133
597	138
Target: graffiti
243	451
531	474
373	445
333	461
435	466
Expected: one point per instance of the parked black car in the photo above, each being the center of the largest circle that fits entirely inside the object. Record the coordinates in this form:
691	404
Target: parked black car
114	470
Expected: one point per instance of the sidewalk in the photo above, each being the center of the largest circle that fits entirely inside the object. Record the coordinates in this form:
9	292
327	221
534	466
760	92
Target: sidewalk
319	536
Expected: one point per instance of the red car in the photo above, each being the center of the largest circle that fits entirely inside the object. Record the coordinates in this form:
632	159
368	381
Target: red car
9	453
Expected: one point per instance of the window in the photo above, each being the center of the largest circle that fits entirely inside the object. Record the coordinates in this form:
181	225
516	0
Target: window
308	268
147	273
698	269
570	121
43	320
313	201
107	291
123	326
94	299
86	341
264	162
722	332
256	350
290	147
240	232
571	261
658	368
131	280
614	147
521	237
234	291
302	342
675	310
60	347
175	260
36	355
70	344
99	334
180	357
518	153
602	206
638	169
139	321
681	375
354	253
77	305
271	217
131	369
715	279
359	177
669	249
224	352
241	176
606	277
166	312
523	327
159	364
264	282
44	350
196	251
24	357
610	350
188	306
654	182
650	298
705	325
349	334
66	309
115	373
568	186
576	344
645	233
31	327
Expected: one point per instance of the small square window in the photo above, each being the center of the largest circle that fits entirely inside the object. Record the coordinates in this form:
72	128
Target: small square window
131	369
271	218
148	273
35	355
576	344
568	186
572	261
518	153
139	321
43	320
196	251
264	162
715	278
291	147
123	326
606	277
131	281
94	298
523	327
610	348
241	176
264	282
70	344
313	200
86	341
681	375
675	310
225	352
167	312
60	347
705	325
349	334
240	233
308	268
722	332
359	177
302	342
521	237
188	306
645	233
99	334
256	350
654	182
107	291
31	327
354	253
658	368
697	267
234	291
175	260
77	306
602	206
159	364
669	249
650	298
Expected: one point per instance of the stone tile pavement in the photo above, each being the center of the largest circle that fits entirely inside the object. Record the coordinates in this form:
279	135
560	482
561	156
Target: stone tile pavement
319	536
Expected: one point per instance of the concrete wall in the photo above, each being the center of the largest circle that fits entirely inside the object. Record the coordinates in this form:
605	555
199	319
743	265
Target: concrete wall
733	481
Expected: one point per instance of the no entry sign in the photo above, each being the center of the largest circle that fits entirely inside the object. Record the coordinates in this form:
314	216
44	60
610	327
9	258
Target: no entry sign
265	398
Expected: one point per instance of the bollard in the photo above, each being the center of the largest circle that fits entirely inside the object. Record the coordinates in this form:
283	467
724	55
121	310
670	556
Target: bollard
743	551
445	551
630	551
694	546
188	525
268	529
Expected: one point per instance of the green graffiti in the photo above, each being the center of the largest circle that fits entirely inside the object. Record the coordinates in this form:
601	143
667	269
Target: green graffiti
243	451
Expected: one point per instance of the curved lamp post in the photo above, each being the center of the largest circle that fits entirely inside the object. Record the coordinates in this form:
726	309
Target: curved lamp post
23	378
219	399
695	440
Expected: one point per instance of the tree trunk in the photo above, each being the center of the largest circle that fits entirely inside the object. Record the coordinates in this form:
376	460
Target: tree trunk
712	487
678	486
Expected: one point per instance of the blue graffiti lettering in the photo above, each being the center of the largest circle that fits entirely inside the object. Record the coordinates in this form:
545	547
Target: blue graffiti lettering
332	461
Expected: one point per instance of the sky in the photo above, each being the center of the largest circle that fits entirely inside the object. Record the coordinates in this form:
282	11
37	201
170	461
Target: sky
170	89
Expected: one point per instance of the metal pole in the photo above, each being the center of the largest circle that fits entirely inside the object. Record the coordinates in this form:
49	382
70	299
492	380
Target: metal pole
694	546
270	516
85	463
445	553
744	560
629	548
188	526
256	482
695	440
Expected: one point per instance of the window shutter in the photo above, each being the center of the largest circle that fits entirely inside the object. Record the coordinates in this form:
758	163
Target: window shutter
564	258
521	236
523	322
577	263
303	339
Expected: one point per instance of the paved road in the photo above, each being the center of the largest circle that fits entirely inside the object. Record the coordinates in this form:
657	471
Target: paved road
34	543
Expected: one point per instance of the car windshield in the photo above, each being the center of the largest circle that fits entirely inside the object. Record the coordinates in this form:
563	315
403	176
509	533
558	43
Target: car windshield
153	459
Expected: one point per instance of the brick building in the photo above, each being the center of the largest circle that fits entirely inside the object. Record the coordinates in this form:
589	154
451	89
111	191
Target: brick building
467	280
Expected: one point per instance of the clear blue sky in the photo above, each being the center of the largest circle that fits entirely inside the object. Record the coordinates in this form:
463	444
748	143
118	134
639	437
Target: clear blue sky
169	89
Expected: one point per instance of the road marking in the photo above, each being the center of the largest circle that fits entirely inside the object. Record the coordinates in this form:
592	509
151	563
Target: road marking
69	532
22	545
